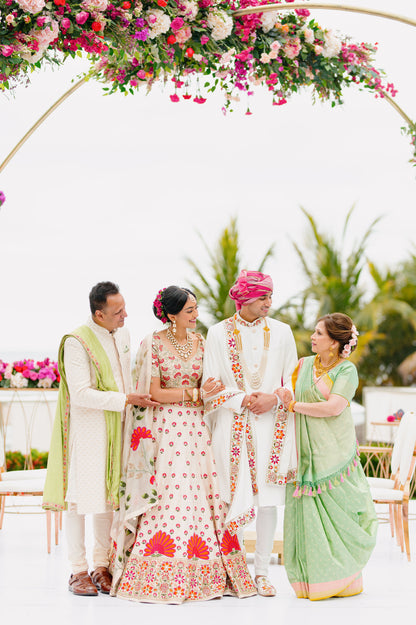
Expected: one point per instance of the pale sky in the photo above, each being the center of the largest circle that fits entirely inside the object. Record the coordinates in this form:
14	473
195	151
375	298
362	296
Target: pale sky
116	188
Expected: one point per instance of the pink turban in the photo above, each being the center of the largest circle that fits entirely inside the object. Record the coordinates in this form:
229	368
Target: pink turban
250	286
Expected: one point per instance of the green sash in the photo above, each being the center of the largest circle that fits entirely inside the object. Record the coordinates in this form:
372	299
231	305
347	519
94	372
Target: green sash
57	476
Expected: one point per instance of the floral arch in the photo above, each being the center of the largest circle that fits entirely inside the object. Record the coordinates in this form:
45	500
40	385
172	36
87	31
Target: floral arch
193	46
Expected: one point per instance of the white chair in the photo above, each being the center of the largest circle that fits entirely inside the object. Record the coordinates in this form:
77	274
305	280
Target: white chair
27	483
395	491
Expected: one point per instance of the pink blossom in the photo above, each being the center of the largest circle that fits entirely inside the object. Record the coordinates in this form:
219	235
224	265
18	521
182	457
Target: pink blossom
275	45
82	17
40	21
183	34
7	50
292	48
10	18
65	23
134	82
141	74
318	49
31	6
174	98
177	23
204	40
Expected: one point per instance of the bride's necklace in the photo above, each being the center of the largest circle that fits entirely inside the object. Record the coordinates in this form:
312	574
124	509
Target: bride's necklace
320	369
184	351
255	379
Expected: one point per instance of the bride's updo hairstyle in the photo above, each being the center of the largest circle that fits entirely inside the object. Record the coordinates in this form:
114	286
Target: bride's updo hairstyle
341	329
170	301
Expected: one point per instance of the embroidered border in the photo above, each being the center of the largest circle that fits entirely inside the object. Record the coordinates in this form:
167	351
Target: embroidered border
279	434
241	521
241	423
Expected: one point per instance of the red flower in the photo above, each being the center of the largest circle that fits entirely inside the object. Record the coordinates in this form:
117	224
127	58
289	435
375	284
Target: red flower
186	96
152	479
160	544
126	5
60	3
137	435
162	3
171	39
189	53
229	543
197	548
96	26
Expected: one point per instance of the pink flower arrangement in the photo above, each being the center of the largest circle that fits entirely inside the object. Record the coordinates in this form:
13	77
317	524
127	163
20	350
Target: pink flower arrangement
29	374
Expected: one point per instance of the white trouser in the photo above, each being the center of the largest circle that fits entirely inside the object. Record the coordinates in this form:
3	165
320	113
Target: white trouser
75	535
265	530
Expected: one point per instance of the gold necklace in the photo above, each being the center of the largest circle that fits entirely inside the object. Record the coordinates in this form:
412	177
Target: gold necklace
320	370
255	379
184	351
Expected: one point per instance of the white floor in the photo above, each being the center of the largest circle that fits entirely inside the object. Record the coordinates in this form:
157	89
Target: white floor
33	589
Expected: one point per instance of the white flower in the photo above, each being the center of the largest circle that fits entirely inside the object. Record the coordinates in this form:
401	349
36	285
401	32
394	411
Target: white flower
265	58
309	34
159	25
18	381
138	9
45	383
332	45
98	5
189	8
268	20
31	6
227	56
221	24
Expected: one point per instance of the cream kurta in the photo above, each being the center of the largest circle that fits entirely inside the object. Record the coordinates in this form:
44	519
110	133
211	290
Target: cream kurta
88	431
281	362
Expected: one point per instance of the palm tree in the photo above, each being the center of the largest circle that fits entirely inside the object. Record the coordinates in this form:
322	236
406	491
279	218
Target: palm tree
333	272
225	265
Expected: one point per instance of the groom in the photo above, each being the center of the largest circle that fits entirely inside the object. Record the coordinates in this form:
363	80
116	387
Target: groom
252	436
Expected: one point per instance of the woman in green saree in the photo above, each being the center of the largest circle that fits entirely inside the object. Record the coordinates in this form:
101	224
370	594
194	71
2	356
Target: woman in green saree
330	521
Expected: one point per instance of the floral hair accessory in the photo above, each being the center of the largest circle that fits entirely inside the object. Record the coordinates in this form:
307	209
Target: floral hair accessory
159	307
346	352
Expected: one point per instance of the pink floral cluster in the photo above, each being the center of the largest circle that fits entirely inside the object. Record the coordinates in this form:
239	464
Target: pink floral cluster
158	306
29	374
2	198
348	347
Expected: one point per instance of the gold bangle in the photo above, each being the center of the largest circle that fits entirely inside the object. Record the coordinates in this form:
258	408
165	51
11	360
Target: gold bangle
291	405
127	402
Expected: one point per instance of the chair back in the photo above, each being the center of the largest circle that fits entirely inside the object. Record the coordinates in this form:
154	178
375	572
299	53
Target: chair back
407	448
399	443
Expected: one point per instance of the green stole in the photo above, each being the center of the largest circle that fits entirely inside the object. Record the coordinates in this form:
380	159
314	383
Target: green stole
57	475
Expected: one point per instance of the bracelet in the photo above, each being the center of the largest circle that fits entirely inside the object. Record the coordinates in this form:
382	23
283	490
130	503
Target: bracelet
201	393
195	395
291	405
189	395
127	402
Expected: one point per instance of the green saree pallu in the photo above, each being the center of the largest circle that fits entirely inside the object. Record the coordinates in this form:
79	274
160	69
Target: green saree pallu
330	522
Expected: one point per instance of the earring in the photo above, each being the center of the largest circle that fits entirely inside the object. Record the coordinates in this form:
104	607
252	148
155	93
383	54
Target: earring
331	353
174	326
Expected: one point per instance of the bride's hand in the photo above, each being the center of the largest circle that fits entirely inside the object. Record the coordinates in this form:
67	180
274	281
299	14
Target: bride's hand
212	387
284	394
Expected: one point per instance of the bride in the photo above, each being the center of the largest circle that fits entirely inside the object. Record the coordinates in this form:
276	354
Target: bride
171	542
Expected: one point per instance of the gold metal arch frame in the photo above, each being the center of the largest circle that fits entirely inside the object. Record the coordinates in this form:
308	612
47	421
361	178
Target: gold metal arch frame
247	11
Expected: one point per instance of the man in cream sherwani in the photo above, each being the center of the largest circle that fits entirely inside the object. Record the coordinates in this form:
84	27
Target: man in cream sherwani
252	436
96	387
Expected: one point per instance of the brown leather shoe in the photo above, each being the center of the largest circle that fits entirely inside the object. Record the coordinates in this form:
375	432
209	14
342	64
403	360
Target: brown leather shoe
82	584
102	579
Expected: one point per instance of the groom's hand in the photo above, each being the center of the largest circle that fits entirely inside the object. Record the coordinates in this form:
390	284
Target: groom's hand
262	402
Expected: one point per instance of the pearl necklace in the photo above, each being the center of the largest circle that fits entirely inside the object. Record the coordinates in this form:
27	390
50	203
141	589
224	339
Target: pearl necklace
320	370
184	351
255	379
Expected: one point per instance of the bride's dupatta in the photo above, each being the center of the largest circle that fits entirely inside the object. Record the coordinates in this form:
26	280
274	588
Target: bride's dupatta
137	490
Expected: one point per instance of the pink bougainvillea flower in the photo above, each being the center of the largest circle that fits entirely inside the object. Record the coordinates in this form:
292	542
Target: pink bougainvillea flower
174	98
